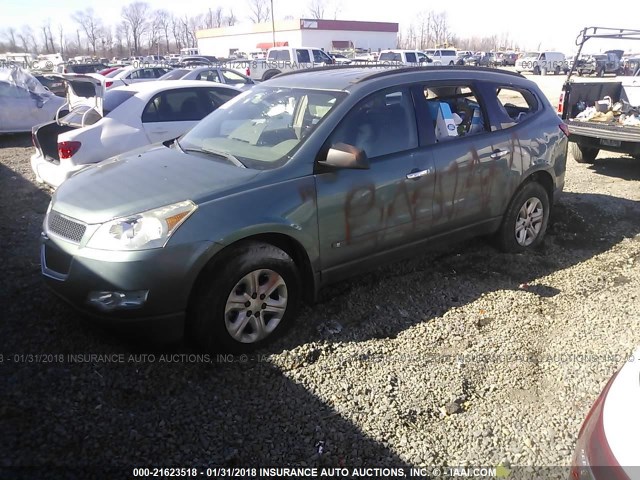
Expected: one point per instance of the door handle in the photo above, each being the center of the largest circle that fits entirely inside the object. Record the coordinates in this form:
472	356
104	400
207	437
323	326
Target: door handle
499	153
414	175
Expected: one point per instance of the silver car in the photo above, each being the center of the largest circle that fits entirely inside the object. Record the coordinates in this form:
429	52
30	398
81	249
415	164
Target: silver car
223	75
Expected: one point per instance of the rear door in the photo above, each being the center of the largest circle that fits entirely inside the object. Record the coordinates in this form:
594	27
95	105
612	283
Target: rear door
174	112
472	162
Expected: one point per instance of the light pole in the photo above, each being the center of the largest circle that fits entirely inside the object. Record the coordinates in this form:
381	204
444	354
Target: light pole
273	26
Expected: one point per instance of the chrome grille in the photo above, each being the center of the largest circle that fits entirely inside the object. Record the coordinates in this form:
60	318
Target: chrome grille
65	227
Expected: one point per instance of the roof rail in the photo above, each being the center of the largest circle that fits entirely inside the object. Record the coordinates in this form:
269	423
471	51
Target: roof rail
397	70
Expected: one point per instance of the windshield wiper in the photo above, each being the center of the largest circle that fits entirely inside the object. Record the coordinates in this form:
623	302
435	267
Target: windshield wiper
226	155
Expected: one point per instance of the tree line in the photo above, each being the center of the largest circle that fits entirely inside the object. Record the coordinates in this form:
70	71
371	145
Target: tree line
143	30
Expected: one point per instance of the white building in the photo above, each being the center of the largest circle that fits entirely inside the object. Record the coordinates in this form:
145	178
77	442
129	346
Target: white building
326	34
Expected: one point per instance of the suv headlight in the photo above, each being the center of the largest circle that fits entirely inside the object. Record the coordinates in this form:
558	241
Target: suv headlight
146	230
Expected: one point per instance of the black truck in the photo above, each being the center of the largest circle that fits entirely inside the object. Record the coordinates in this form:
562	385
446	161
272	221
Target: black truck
602	115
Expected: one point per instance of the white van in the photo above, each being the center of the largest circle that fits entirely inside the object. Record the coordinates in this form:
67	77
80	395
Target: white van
541	63
443	56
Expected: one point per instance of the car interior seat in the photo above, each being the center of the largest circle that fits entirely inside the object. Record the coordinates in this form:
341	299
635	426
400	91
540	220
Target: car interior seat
190	110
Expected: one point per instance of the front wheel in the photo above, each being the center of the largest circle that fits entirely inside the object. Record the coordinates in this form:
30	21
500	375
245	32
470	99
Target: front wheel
247	300
582	153
525	221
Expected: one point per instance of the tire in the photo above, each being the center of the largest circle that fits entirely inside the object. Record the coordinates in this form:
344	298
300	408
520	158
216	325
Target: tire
582	153
270	74
214	313
556	71
600	72
536	70
525	221
451	63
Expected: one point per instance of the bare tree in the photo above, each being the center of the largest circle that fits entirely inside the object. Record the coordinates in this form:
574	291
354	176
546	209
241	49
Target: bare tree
175	30
61	38
45	37
28	39
135	15
10	34
259	11
230	19
91	26
218	17
163	19
316	9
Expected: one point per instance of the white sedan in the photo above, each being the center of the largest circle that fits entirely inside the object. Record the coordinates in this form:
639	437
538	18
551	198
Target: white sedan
122	119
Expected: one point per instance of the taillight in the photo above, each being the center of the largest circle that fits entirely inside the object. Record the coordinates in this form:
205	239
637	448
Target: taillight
248	72
593	458
68	149
108	84
564	128
561	104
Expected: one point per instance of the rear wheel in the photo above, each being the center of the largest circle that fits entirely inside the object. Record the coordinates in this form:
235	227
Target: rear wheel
525	221
582	153
246	301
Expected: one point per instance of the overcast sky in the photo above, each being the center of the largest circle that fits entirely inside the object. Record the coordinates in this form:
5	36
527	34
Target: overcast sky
550	24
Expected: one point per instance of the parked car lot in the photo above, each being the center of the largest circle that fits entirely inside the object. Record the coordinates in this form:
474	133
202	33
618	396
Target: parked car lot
126	118
500	341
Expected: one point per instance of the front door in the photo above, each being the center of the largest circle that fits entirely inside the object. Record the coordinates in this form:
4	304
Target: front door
363	212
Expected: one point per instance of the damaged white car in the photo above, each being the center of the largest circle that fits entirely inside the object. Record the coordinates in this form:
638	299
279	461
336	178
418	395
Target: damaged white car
103	123
24	101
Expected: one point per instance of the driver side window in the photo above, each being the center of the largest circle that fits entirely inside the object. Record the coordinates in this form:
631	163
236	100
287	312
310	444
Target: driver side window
382	124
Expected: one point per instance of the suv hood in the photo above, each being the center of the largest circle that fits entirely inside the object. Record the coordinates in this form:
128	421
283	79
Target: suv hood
144	179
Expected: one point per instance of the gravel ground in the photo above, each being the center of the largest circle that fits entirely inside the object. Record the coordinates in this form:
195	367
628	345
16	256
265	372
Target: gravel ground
464	356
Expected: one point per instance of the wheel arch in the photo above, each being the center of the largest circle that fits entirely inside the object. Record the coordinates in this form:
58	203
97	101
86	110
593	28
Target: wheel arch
544	178
270	74
285	242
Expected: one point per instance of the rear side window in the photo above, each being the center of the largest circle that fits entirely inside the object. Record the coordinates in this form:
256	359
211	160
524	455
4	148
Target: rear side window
176	106
113	99
453	112
280	55
411	57
303	56
515	105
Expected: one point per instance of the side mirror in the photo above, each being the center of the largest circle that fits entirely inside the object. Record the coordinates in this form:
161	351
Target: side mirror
342	155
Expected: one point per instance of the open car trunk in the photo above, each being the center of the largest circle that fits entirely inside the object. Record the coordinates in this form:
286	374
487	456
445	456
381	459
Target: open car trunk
85	94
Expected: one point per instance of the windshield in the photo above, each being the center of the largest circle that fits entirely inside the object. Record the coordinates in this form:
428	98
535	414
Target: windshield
531	55
263	127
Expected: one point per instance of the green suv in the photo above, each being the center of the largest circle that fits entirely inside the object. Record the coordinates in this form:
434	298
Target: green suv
304	180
